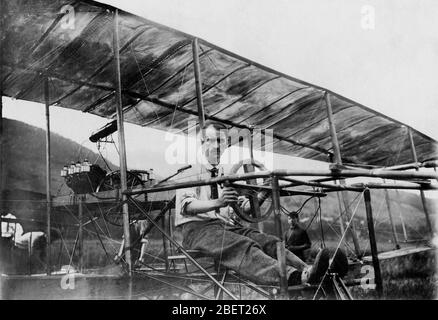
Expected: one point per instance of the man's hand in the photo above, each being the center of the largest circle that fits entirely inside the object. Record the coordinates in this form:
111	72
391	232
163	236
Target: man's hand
229	196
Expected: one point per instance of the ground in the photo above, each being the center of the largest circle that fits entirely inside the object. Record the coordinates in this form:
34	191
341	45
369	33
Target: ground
408	277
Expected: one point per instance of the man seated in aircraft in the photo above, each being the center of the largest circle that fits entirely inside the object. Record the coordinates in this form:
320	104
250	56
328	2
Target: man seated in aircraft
296	238
203	213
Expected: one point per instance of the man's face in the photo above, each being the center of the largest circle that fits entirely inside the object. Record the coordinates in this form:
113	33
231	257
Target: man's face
293	222
215	143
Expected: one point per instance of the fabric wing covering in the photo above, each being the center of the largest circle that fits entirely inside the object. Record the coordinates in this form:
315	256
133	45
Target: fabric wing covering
71	43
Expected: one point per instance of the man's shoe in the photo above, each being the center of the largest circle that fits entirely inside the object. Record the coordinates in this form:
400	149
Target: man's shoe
295	278
339	263
319	267
117	259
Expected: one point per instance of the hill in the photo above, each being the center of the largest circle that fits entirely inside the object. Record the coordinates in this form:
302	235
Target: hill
25	158
24	170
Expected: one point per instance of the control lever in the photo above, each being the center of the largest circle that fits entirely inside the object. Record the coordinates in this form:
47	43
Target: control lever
180	170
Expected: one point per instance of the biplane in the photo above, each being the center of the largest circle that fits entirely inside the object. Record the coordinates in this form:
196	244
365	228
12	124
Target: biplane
94	58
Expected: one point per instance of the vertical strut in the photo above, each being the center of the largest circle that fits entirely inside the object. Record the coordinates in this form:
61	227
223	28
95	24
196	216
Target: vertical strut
2	152
165	250
122	146
373	243
338	160
2	146
80	232
281	251
48	180
198	83
170	224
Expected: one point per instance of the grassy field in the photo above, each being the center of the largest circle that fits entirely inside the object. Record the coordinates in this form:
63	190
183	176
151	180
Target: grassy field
407	277
410	277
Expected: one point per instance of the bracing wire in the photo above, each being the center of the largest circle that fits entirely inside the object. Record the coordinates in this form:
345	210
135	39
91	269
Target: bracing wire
143	79
179	97
338	245
103	158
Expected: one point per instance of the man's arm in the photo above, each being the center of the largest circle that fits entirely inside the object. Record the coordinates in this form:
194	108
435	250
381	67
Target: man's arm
228	196
201	206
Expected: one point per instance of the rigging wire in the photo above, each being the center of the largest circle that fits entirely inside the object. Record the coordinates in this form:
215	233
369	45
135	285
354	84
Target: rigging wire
144	83
115	147
100	211
208	57
103	158
339	244
178	97
93	223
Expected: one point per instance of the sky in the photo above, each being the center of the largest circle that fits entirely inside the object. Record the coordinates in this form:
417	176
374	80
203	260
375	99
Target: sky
383	54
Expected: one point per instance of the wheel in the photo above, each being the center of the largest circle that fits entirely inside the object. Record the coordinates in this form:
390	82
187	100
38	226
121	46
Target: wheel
259	200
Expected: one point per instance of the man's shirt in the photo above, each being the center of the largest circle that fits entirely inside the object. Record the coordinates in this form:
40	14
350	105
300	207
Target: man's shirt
185	196
296	236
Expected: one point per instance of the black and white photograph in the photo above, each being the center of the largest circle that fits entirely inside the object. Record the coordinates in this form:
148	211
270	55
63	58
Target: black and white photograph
236	150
